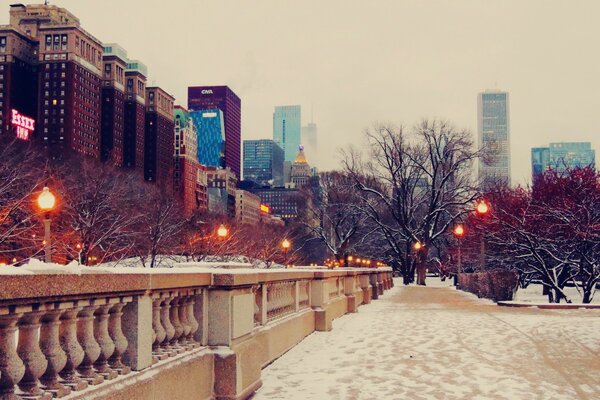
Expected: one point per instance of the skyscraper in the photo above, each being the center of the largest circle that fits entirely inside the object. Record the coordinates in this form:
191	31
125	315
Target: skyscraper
224	99
263	162
159	143
212	147
493	128
135	115
309	140
287	129
562	156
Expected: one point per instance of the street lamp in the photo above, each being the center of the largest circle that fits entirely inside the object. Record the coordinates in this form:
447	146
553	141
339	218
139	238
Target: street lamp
418	246
285	245
46	202
482	209
459	231
79	249
222	232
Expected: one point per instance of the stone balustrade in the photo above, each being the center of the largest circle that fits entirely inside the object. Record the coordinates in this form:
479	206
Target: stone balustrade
172	333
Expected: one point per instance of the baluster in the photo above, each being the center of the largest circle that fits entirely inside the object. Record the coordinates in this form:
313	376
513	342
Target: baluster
31	354
158	330
169	329
50	345
177	327
91	348
107	346
12	368
72	348
115	331
183	319
194	325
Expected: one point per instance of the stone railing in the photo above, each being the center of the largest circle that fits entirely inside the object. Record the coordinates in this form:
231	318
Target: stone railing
174	333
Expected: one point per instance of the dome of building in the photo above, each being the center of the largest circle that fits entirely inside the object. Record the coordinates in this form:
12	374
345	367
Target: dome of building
301	157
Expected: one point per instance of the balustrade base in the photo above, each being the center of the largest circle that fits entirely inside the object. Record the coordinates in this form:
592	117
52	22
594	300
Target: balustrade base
124	370
10	396
93	379
43	396
77	385
59	392
109	375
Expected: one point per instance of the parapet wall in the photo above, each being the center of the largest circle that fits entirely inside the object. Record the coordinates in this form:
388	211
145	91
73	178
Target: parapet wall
178	333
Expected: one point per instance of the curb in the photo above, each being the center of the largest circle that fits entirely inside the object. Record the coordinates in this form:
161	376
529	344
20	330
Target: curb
549	306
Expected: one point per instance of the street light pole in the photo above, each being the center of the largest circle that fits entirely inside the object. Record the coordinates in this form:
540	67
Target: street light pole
46	201
482	209
47	239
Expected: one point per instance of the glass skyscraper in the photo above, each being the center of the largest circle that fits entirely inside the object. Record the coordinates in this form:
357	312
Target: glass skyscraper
562	156
263	162
211	137
493	128
287	129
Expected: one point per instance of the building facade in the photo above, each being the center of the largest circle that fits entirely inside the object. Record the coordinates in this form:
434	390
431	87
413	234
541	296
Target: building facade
211	137
113	102
562	156
301	171
287	129
135	115
159	140
493	128
247	207
263	162
224	99
222	185
282	202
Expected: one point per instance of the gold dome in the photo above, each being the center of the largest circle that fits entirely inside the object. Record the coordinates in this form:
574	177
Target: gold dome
300	158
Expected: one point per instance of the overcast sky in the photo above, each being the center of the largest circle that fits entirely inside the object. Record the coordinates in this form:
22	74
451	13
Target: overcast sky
357	62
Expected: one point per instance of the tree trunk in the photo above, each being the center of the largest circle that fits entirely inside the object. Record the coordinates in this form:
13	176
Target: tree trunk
421	266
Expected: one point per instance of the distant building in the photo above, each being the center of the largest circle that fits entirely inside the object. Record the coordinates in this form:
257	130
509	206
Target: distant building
283	203
287	129
224	99
301	171
135	115
309	140
562	156
211	137
222	185
263	162
247	207
159	139
493	128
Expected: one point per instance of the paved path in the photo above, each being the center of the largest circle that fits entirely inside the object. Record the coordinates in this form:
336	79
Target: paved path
437	343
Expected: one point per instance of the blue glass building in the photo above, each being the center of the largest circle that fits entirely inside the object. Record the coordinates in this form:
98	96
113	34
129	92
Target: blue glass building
287	130
493	128
562	156
263	162
211	137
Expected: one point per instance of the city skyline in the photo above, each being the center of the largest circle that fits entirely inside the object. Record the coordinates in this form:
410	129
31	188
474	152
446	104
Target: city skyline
522	62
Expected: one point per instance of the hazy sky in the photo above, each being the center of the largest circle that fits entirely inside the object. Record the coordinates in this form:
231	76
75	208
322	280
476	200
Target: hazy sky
357	62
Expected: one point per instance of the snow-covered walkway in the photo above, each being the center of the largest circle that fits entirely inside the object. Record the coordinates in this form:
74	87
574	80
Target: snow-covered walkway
437	343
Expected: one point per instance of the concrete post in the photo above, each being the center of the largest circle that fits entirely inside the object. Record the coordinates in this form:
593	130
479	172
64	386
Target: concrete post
137	327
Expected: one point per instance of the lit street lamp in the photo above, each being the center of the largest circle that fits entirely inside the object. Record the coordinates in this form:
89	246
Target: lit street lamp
459	231
46	202
222	232
285	245
482	209
79	249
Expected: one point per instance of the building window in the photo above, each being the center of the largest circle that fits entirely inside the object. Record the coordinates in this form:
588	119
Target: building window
48	42
63	41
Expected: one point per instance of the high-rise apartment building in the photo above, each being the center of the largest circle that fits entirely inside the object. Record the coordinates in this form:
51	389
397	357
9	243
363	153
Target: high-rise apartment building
113	102
287	129
69	62
562	156
18	78
493	127
263	162
135	115
211	147
224	99
159	147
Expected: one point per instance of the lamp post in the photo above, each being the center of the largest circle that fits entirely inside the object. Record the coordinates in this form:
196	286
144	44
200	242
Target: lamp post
285	245
46	202
79	249
482	209
459	231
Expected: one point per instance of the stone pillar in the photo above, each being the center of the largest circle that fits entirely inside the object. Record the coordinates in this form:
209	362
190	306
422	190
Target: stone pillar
71	346
373	283
30	352
319	297
107	346
115	330
363	281
12	368
349	290
55	355
91	348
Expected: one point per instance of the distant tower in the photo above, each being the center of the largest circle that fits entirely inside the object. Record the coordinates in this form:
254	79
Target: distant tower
287	129
309	140
493	128
301	171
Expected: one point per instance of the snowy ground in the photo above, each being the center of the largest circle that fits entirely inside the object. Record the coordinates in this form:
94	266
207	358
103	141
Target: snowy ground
533	294
436	343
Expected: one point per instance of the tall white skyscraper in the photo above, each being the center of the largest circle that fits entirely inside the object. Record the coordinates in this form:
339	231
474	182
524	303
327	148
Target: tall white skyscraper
287	130
493	129
309	141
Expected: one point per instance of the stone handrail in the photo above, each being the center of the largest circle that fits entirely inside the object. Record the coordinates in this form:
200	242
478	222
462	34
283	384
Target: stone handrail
70	335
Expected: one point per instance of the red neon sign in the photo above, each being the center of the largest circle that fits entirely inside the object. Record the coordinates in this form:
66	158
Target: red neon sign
24	125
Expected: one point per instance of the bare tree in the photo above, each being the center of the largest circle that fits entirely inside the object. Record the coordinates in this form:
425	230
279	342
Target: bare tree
413	187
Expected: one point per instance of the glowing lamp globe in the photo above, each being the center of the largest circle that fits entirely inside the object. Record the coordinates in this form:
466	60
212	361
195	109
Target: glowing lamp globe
482	208
286	244
459	230
222	231
418	246
46	199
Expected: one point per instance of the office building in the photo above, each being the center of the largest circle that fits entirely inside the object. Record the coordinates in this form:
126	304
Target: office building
493	127
222	185
309	141
562	156
159	145
210	125
301	171
135	115
263	162
224	99
112	105
282	202
247	207
287	129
